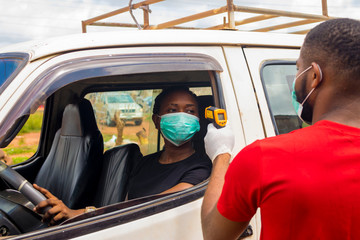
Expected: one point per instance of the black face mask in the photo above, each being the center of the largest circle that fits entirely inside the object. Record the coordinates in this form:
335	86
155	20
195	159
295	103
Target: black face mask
307	113
303	109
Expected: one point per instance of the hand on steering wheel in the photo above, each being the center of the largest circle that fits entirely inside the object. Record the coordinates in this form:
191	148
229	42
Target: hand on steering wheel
58	212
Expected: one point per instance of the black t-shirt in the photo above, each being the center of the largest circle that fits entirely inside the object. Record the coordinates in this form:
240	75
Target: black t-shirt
152	177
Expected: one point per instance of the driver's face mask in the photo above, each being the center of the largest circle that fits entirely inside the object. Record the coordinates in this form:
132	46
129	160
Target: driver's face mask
300	106
178	128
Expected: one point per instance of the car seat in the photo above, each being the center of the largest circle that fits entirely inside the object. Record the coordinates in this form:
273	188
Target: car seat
117	165
71	169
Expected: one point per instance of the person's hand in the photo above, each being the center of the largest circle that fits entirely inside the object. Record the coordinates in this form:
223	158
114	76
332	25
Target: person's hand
218	141
58	212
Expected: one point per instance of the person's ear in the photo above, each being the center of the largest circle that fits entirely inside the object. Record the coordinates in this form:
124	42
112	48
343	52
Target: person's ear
156	119
317	76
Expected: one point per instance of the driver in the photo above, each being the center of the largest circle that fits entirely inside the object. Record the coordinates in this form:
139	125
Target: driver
175	168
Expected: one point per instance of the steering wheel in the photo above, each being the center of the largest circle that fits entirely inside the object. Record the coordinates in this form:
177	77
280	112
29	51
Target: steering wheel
20	183
15	216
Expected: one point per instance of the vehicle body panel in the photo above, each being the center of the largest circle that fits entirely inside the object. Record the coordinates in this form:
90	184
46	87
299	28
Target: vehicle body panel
256	57
178	223
235	60
40	49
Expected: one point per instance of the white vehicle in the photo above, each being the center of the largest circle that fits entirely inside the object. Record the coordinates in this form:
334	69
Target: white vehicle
248	74
118	103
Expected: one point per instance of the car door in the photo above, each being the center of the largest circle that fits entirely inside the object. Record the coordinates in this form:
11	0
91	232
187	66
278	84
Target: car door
262	79
63	78
180	221
273	71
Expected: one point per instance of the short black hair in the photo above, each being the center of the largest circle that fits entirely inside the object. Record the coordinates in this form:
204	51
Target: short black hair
167	91
334	43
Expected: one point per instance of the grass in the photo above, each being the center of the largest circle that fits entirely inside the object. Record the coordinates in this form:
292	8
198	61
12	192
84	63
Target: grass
107	137
17	160
33	124
133	138
20	150
24	150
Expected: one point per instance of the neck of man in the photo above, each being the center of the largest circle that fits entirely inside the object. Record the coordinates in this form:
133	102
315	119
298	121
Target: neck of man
335	107
174	154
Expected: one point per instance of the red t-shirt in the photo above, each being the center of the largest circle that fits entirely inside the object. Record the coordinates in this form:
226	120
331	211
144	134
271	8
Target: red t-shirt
306	184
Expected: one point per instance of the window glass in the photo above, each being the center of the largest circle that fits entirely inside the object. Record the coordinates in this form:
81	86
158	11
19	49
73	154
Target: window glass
278	79
7	67
200	91
26	143
126	117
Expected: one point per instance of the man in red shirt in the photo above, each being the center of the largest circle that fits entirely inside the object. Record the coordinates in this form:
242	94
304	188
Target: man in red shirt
306	183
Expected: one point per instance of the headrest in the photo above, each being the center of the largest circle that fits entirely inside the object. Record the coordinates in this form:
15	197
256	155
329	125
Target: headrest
78	119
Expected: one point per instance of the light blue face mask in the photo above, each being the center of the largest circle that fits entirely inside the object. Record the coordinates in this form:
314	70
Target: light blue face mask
179	128
297	105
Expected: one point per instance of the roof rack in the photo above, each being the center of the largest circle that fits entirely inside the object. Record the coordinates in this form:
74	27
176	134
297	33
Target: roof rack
230	23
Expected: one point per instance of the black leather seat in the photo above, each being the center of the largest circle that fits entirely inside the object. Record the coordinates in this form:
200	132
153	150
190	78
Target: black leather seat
204	102
117	165
72	167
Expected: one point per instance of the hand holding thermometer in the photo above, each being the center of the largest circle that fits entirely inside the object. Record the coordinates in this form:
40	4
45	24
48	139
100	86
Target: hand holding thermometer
216	115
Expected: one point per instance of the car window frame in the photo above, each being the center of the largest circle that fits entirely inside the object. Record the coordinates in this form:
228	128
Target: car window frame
263	65
78	69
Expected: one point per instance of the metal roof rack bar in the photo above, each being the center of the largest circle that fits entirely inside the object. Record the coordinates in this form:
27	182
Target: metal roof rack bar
287	25
91	21
230	23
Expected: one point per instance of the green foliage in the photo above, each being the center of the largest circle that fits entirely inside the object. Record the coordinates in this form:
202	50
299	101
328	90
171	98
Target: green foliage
21	141
17	160
148	117
33	124
20	150
21	153
107	137
131	137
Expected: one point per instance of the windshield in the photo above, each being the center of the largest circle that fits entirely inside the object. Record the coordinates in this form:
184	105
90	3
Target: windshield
7	67
10	66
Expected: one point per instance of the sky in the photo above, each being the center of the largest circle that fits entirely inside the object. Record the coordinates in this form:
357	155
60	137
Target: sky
25	20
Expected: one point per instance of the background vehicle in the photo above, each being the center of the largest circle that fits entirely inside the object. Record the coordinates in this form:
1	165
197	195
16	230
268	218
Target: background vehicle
246	73
106	105
145	102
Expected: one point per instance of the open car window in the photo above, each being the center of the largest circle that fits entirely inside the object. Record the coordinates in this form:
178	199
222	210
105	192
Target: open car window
125	117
